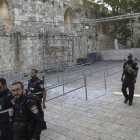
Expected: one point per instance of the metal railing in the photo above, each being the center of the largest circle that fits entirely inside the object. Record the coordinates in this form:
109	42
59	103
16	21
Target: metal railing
19	75
105	76
65	83
68	72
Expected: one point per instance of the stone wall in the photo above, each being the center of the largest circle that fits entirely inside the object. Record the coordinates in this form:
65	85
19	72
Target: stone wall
120	54
47	31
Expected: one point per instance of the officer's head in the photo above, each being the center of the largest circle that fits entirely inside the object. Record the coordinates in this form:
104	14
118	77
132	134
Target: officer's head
130	56
34	73
17	89
3	85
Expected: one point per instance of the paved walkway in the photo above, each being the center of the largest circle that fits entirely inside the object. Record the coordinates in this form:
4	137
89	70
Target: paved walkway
103	116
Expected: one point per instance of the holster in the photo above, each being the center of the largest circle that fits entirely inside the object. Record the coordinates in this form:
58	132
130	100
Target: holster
11	124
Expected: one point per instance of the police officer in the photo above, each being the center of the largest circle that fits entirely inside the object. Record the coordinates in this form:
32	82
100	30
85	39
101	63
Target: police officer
27	120
130	70
36	86
6	102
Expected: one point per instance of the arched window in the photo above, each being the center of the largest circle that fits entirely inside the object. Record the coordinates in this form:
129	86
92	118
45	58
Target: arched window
69	19
4	11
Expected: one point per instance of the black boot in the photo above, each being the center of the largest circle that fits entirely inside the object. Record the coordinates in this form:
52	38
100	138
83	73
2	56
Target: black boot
125	101
130	103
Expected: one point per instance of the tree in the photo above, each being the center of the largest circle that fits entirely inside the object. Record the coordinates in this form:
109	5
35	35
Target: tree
91	1
123	27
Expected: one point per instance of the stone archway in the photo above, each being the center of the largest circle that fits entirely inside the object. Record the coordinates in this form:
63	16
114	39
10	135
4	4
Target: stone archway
5	11
69	19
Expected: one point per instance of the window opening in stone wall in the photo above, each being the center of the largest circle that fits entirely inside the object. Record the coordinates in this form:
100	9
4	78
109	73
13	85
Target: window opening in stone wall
69	19
4	11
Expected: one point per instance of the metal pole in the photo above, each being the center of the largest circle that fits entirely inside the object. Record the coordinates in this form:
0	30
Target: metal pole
32	54
67	74
58	78
85	83
107	69
11	77
91	72
2	74
63	84
43	59
82	70
58	67
23	77
105	79
43	78
72	49
84	49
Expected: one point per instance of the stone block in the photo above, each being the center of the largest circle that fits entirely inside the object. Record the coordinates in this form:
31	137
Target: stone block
18	6
16	11
21	18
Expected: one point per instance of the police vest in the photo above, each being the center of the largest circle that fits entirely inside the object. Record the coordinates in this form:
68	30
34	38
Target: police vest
22	125
4	117
33	88
129	70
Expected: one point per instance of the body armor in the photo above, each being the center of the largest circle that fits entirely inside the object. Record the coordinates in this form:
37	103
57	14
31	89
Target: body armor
23	125
129	70
33	88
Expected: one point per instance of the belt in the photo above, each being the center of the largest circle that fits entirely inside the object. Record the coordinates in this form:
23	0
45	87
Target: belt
36	93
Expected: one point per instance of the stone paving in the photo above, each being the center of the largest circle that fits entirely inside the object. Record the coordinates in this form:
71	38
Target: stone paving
103	116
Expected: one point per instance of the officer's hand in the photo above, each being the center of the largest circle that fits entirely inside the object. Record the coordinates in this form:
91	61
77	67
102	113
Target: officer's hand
134	81
44	106
11	112
122	79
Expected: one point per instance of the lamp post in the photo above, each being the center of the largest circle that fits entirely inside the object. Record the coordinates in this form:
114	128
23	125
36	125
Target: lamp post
43	49
86	27
32	47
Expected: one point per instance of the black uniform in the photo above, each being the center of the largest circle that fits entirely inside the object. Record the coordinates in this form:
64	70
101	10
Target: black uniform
130	68
27	121
6	102
36	86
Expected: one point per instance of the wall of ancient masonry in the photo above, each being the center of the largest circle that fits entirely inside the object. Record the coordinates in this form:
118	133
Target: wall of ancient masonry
41	31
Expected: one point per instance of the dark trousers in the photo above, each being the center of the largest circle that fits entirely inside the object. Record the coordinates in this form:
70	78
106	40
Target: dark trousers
128	83
21	138
41	111
40	106
5	132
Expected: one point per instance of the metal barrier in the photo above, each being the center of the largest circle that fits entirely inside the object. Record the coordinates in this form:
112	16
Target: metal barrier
64	83
65	77
66	73
85	81
73	72
11	74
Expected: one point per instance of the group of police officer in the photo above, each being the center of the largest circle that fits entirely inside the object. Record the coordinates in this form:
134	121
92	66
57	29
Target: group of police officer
21	113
